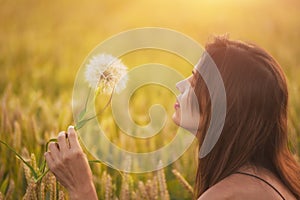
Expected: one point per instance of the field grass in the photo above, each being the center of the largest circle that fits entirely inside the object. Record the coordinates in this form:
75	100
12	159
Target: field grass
42	45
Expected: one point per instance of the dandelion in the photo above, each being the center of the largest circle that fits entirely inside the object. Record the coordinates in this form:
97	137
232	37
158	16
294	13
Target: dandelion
107	73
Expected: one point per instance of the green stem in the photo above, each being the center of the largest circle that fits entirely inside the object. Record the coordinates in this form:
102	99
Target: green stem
83	112
43	166
87	99
20	157
41	176
81	123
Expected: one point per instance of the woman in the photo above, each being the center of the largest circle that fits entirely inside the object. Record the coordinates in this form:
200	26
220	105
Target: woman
250	160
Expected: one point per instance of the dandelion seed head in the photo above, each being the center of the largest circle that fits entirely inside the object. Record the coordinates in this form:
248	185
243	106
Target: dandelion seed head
107	73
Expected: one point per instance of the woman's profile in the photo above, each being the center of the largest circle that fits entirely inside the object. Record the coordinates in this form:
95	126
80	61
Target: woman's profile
251	159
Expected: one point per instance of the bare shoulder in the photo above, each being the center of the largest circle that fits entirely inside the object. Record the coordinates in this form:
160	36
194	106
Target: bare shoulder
243	187
228	188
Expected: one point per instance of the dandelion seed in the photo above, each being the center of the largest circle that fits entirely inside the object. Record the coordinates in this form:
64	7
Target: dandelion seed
107	73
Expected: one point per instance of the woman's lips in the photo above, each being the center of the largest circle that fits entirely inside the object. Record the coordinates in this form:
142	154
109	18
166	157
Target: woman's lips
176	105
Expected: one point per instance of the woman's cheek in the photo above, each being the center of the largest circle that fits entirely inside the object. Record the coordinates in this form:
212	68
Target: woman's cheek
189	111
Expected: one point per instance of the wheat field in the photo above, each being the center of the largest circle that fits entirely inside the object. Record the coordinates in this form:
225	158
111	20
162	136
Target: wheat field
43	44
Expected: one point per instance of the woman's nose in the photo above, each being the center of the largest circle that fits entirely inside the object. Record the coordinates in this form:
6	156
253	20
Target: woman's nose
181	85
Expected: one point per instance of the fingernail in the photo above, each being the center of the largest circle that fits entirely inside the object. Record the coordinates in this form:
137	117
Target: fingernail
71	127
62	133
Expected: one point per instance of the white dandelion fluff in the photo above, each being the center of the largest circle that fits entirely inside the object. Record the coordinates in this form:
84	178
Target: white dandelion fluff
107	73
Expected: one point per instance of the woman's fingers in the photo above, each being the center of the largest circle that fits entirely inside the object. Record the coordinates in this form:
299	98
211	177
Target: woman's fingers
54	148
58	169
69	163
62	141
74	143
49	160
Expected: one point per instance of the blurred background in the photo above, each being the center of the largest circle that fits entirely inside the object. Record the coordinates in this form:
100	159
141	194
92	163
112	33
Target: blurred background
43	44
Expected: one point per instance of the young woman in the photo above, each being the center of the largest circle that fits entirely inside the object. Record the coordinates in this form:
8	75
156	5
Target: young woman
250	160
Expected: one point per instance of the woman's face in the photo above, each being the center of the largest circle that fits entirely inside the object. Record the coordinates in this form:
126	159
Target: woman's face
187	112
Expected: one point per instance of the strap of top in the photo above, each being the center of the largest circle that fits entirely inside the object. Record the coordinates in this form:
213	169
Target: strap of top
252	175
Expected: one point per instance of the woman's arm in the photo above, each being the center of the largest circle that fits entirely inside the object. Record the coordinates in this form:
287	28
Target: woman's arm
70	166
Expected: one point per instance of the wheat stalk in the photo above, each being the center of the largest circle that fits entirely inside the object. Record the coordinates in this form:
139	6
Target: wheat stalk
50	181
152	188
134	196
164	194
108	187
27	173
142	190
51	192
61	195
42	191
17	135
10	189
125	193
30	191
183	181
53	183
33	162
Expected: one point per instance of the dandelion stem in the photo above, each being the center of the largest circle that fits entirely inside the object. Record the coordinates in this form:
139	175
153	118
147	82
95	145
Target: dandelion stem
83	112
87	99
81	123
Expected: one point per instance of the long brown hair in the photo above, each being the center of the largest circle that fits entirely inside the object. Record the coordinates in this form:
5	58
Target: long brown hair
255	129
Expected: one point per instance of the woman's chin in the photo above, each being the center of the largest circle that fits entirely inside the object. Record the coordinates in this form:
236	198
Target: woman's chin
176	119
187	127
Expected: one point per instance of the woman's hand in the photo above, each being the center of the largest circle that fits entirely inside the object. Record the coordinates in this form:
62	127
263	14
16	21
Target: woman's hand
70	166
